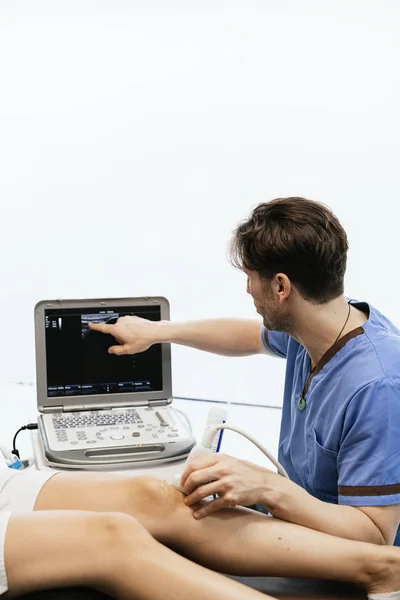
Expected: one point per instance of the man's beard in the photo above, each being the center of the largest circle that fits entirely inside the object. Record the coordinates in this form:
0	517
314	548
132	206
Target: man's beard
274	321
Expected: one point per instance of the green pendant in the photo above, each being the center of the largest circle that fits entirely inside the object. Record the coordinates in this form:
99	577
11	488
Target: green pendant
302	403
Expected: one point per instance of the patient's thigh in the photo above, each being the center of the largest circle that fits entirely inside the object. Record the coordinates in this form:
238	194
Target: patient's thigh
150	500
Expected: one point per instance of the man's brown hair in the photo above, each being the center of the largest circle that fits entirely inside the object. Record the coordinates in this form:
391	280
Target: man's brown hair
298	237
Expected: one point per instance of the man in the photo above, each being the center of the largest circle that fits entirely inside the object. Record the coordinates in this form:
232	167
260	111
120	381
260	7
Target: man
340	429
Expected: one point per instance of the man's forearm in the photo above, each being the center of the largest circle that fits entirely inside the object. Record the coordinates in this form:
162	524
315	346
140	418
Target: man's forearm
292	503
228	337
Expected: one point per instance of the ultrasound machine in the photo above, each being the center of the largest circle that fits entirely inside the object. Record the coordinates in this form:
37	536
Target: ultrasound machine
99	410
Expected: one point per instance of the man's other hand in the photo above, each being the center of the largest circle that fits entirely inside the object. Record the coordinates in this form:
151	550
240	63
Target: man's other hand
236	482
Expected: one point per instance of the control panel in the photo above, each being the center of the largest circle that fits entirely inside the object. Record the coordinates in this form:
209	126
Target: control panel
138	426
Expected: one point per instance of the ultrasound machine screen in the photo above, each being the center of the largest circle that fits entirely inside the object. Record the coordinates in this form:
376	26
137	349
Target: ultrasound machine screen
77	358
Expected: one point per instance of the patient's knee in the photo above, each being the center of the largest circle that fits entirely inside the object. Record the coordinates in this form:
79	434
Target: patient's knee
154	498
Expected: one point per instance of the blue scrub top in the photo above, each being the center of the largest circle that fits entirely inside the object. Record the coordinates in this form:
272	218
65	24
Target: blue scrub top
342	444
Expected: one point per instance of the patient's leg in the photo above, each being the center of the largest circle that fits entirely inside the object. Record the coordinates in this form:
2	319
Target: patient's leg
111	552
236	541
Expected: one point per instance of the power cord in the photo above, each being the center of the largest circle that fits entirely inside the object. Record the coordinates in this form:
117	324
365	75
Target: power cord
210	433
257	444
30	426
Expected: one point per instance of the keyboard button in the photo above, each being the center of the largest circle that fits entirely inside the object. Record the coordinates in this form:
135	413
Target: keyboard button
73	443
117	436
136	434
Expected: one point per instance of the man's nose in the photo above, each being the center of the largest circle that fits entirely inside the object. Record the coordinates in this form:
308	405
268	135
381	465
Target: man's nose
248	286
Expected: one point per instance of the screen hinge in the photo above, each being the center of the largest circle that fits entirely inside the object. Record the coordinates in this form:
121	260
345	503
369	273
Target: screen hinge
58	409
157	402
75	408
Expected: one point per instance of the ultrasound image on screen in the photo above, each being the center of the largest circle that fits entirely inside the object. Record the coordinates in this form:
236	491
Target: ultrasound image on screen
77	358
97	318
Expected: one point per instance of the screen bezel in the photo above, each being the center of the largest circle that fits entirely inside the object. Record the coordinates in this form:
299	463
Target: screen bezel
95	401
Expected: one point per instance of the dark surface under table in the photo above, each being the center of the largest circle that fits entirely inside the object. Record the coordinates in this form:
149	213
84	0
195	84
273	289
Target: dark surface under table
293	588
278	587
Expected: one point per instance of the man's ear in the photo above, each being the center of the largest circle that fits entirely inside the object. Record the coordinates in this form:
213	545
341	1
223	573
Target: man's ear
283	286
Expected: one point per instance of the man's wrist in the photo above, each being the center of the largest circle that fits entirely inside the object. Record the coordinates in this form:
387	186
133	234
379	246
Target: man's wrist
281	496
272	499
165	332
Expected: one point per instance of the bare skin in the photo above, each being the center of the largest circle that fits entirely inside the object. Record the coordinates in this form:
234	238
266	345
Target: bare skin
253	543
111	552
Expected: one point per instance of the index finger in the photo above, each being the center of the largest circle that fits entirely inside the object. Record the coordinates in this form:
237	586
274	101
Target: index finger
203	462
102	327
209	508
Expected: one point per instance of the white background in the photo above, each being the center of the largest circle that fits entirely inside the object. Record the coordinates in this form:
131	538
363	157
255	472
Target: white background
135	135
